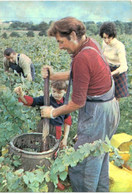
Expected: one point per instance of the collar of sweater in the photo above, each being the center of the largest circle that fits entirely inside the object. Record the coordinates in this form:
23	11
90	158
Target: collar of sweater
113	42
60	101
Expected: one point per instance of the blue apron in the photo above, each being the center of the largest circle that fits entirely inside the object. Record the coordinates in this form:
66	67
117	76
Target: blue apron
97	119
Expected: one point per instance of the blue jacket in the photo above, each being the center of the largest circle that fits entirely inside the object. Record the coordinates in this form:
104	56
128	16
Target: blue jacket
58	121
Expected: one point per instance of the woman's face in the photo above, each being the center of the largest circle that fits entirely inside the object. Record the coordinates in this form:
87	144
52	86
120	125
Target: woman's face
107	39
69	45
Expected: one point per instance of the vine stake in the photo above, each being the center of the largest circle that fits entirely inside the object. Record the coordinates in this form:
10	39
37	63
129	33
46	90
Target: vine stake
45	131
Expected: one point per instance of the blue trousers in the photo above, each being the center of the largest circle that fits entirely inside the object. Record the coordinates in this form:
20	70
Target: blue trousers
91	175
96	120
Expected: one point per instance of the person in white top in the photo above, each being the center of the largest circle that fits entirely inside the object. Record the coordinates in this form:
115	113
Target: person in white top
115	54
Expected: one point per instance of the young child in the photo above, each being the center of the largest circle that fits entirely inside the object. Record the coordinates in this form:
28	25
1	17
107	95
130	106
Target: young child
58	89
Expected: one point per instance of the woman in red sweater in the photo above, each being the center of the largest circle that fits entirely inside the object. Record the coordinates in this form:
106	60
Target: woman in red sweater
92	95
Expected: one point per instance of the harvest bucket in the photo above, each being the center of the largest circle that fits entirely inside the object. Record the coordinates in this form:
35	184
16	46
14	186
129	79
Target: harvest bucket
121	177
123	141
27	146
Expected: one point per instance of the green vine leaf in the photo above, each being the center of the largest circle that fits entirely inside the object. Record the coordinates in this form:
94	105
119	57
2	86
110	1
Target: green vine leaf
43	188
129	162
105	147
63	175
19	172
26	179
47	176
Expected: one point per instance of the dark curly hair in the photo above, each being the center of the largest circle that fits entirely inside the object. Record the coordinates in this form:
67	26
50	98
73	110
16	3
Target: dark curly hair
65	26
108	28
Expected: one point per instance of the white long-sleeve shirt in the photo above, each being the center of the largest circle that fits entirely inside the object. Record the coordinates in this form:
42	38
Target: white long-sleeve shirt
115	54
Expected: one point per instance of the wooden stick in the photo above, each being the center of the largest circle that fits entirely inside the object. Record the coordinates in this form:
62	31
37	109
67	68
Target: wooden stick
45	132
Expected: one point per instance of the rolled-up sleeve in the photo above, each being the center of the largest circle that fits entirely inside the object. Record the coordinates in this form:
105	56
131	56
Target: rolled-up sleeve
81	79
5	64
68	120
122	59
25	63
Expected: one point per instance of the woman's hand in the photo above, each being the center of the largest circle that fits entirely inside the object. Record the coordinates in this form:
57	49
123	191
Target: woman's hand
46	111
44	71
115	73
54	75
18	91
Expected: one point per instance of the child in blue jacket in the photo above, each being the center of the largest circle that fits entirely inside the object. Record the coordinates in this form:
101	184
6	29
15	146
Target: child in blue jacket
58	90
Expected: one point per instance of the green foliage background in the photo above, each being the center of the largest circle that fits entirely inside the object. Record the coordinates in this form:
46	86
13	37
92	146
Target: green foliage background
44	50
91	26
